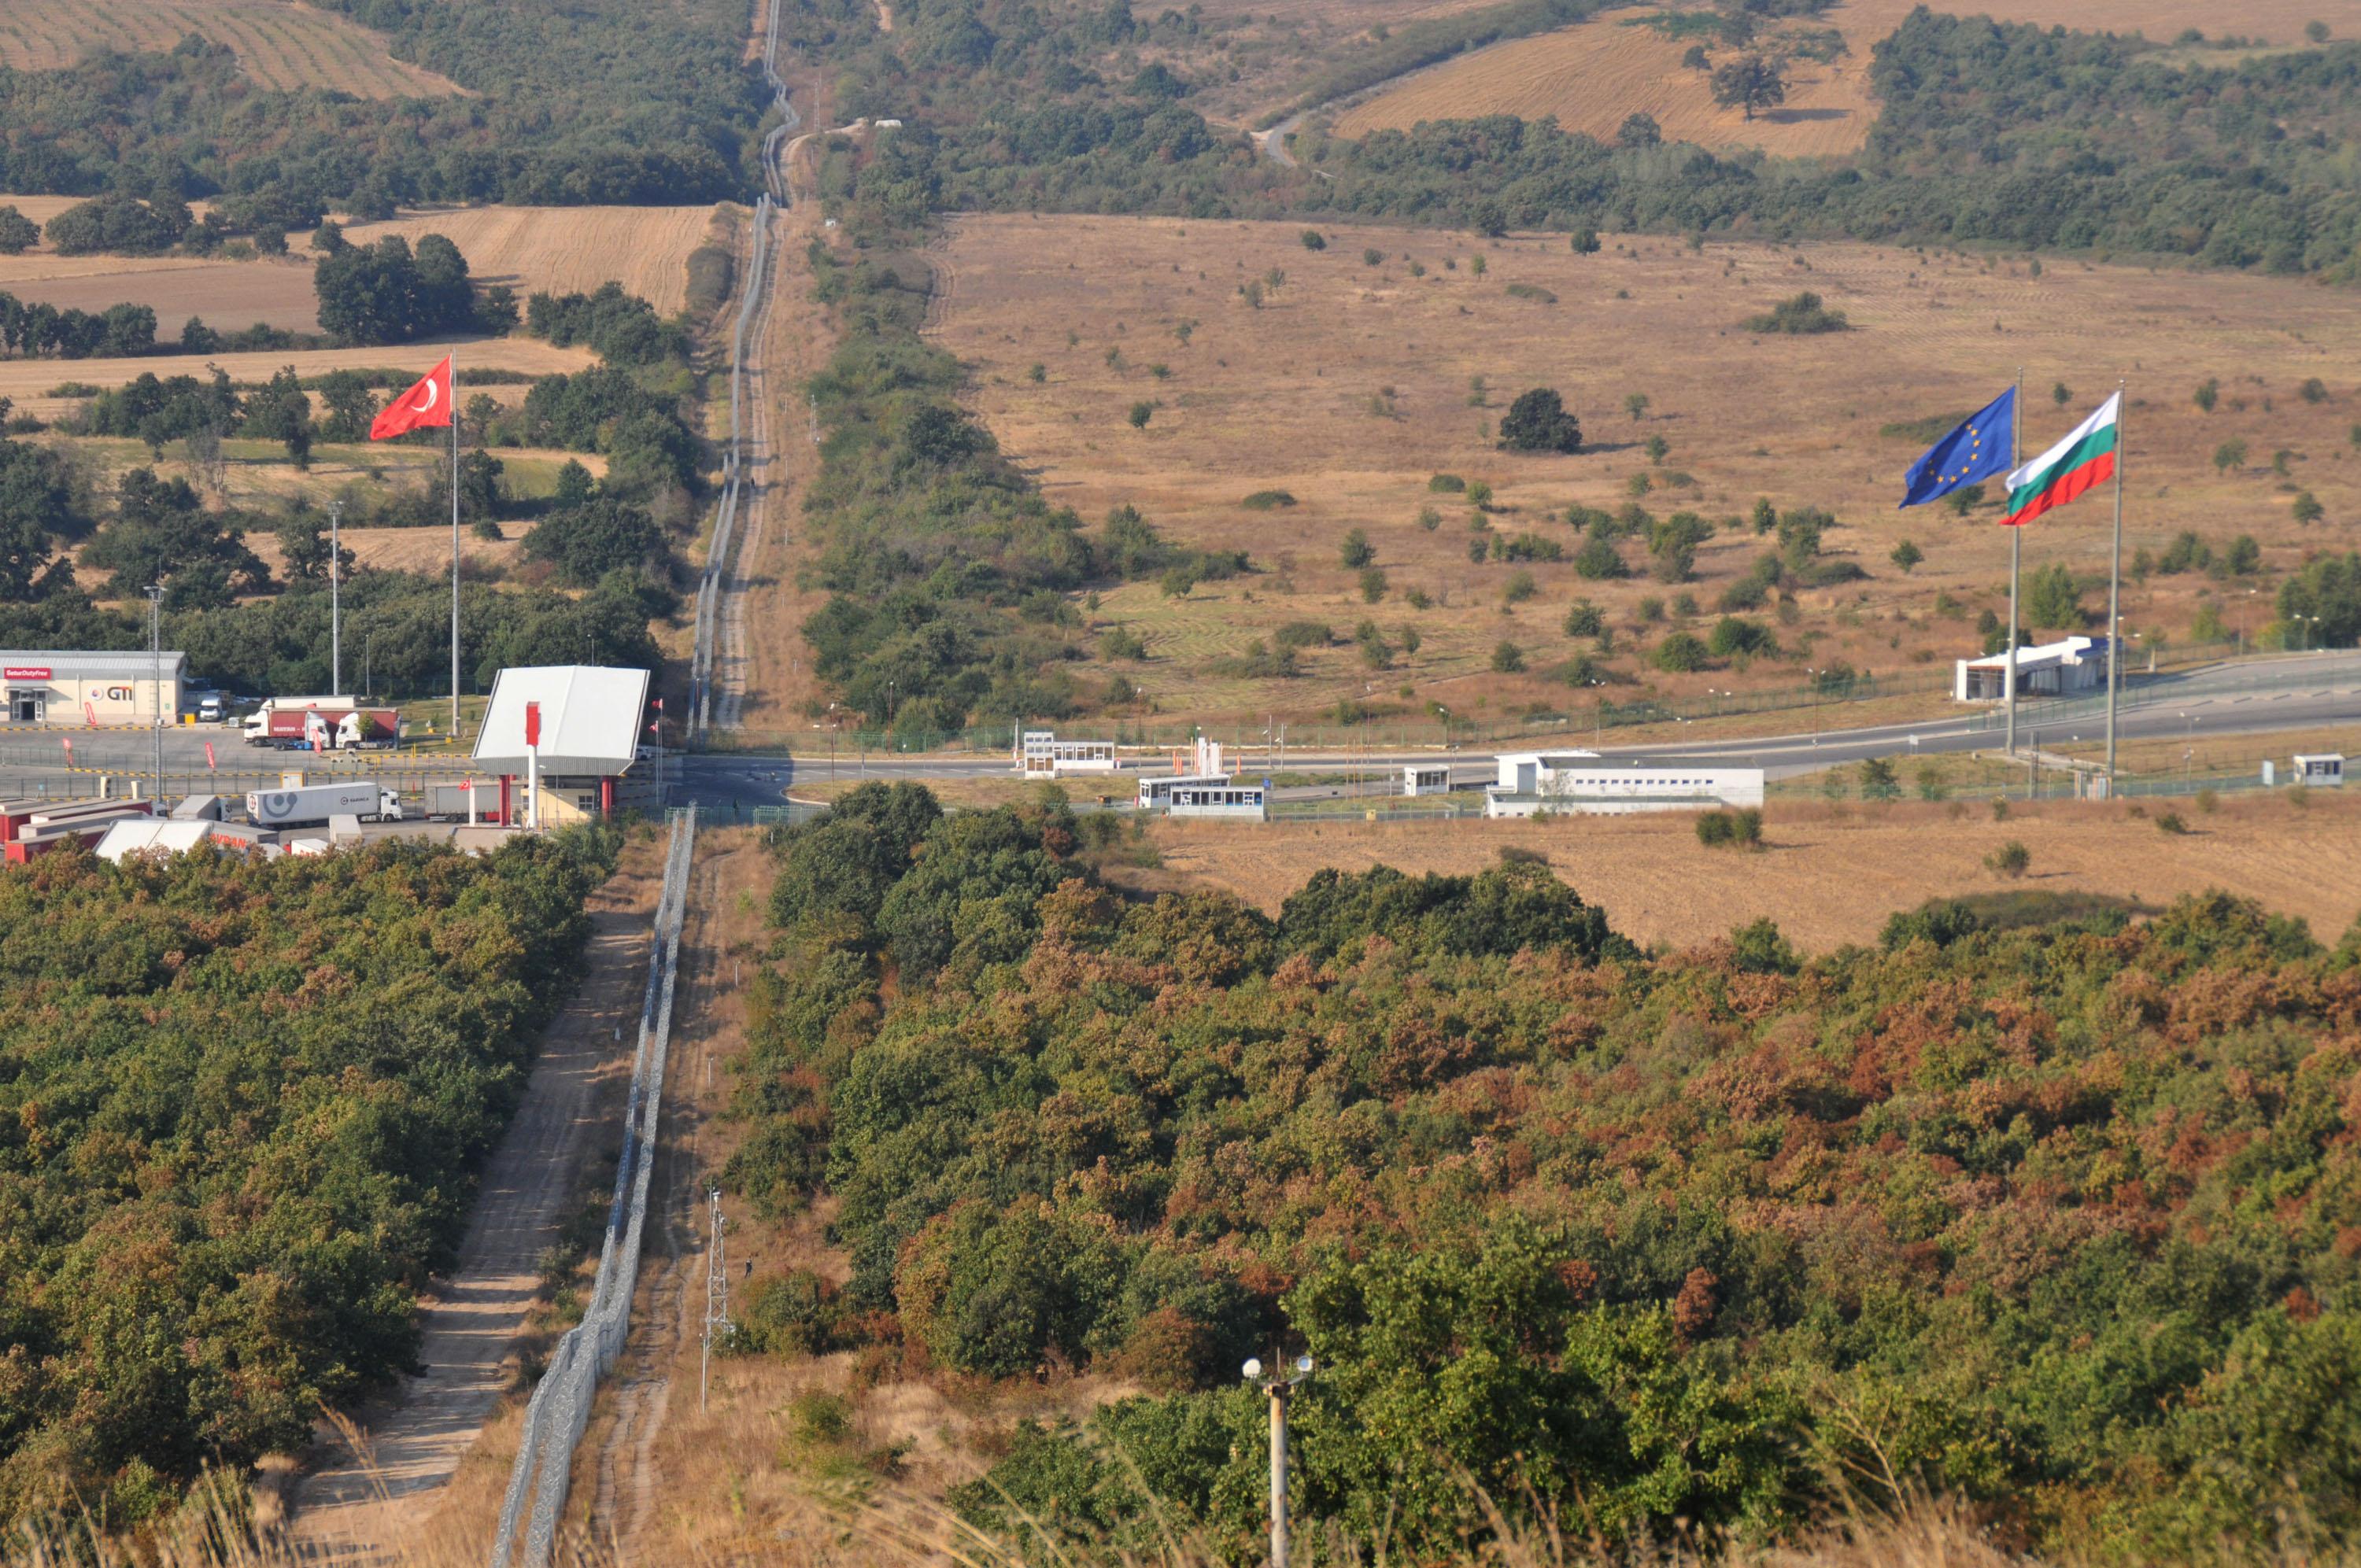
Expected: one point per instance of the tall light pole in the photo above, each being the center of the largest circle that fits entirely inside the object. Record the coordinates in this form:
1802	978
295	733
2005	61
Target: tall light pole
1279	1386
335	602
156	678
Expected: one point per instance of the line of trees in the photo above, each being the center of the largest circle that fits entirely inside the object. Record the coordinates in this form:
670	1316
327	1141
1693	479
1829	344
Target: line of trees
43	331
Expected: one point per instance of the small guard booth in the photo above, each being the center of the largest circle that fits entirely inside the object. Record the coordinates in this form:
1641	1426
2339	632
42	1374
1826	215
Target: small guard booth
568	734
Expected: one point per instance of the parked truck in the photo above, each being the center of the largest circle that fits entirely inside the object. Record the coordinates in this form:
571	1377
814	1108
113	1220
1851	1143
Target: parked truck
322	723
448	802
311	806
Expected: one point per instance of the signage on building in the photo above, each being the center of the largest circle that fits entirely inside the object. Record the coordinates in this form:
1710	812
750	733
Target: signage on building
25	673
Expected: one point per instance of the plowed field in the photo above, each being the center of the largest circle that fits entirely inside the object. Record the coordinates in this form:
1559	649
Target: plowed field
228	295
282	46
564	249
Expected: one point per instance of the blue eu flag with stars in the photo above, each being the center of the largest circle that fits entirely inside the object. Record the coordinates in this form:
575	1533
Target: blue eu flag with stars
1979	450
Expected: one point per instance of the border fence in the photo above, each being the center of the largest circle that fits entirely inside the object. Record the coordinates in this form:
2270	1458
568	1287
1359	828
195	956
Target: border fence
755	296
560	1408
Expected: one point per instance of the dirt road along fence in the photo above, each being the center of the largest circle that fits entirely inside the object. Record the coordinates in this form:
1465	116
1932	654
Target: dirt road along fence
561	1403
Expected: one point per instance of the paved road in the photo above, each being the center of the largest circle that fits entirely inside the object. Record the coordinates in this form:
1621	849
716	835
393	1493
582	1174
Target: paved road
2302	692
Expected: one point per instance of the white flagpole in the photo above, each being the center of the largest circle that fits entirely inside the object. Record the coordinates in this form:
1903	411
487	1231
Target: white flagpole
2015	547
2114	594
454	548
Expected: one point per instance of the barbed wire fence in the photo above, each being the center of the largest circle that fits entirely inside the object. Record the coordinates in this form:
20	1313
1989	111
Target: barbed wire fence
560	1407
754	309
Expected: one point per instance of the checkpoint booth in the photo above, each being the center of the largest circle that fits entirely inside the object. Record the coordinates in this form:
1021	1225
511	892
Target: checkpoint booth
2320	769
564	741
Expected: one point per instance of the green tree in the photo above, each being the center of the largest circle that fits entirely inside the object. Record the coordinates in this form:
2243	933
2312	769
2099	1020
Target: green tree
2307	508
1680	653
18	233
1878	779
1636	405
2208	393
1354	550
2052	598
1537	421
2229	457
1507	658
281	411
1141	413
1906	556
1750	82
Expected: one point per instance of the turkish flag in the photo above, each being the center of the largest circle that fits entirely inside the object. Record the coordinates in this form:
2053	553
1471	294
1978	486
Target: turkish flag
426	404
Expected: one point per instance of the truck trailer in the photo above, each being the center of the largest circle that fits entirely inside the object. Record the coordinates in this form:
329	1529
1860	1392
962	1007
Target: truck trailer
321	723
311	806
448	802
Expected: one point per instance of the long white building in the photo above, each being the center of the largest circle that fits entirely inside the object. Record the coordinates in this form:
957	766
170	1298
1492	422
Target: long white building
1585	782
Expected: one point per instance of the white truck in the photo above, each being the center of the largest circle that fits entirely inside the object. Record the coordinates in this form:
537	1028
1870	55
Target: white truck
311	806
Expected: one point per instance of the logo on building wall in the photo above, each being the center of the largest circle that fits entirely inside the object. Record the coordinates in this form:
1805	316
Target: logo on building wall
25	673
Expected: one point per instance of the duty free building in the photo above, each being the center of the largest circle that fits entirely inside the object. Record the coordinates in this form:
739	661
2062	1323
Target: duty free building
59	689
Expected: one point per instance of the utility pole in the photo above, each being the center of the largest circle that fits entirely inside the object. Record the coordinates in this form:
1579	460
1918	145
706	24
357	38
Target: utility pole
1280	1385
156	680
717	1296
335	602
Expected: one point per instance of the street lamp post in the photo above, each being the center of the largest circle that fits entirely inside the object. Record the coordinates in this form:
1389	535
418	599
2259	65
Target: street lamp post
1279	1386
155	679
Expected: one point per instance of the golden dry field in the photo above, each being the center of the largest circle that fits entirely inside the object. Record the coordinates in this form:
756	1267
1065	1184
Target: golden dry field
1593	75
1657	884
565	250
1351	386
29	381
229	295
281	46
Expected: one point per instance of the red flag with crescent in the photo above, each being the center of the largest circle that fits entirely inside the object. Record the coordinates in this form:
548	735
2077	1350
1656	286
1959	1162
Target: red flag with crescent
426	404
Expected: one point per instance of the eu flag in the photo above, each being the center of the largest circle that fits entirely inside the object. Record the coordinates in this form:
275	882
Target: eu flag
1980	449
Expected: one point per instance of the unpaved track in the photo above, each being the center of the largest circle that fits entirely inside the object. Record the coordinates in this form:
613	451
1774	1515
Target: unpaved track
668	1316
416	1439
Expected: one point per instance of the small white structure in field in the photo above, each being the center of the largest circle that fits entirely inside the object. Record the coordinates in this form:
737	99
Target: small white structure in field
2053	669
1426	778
2324	769
1584	782
1041	755
1199	797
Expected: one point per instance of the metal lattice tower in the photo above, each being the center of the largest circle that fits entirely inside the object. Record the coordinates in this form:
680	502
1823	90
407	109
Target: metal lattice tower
717	1296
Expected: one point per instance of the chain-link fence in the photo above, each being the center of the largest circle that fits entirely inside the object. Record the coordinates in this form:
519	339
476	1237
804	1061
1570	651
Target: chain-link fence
561	1403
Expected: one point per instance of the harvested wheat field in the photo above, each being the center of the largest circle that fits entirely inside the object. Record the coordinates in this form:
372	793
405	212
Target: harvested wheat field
29	381
1354	384
565	250
1828	874
1590	77
228	295
281	46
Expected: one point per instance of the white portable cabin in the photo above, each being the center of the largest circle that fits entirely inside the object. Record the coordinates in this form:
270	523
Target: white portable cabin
2322	769
1584	782
1426	778
1040	754
1155	794
1221	799
2052	669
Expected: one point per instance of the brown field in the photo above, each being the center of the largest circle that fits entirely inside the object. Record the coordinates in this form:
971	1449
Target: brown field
566	249
281	46
1657	884
1352	385
229	295
1591	76
1250	57
28	380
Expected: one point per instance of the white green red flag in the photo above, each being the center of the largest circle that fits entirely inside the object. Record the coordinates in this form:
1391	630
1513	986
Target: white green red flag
2082	462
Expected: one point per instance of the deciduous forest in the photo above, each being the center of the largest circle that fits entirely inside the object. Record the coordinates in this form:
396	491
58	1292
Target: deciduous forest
2032	1207
240	1105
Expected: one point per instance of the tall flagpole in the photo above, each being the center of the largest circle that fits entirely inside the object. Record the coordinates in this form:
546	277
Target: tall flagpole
2015	547
2115	595
454	548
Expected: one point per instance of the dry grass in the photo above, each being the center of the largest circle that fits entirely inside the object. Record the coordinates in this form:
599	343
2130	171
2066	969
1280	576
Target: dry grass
1593	75
1282	398
565	250
1252	57
229	295
281	46
1657	884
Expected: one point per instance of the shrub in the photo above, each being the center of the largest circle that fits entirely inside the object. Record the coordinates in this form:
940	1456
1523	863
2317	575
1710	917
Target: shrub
1801	314
1268	501
1507	658
1373	585
1303	635
2011	861
1520	588
1583	619
1906	555
1446	484
1681	653
1141	413
1314	239
1354	550
2171	822
2208	801
1537	421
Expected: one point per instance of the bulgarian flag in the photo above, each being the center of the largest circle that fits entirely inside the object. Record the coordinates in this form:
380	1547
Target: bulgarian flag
2083	461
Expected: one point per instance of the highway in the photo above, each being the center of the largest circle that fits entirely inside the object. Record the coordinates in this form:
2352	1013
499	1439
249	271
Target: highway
2259	696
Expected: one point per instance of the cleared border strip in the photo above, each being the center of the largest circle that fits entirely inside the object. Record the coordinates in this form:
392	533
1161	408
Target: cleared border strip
560	1408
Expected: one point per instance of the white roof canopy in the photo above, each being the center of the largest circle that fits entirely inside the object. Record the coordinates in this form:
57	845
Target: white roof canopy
591	719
